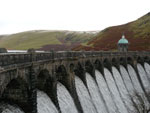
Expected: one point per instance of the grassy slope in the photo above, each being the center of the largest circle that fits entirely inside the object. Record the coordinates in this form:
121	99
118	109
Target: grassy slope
137	32
38	39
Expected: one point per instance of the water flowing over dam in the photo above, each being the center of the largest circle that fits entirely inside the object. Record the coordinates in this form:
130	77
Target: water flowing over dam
112	94
108	89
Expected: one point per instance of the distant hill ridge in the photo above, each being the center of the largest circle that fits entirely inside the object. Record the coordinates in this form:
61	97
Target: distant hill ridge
137	33
46	39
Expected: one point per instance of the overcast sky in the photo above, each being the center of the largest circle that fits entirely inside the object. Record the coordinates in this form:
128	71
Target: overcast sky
79	15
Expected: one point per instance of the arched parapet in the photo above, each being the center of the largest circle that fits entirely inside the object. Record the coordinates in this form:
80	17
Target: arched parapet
107	64
147	59
74	92
131	61
42	78
123	61
25	74
115	62
140	60
7	76
62	76
80	72
99	66
47	83
89	67
17	92
67	78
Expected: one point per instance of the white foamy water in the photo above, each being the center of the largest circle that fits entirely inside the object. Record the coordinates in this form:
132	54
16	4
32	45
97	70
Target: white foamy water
137	85
127	80
123	91
6	108
84	96
134	79
95	95
112	86
65	100
112	95
105	92
130	88
147	69
44	103
143	77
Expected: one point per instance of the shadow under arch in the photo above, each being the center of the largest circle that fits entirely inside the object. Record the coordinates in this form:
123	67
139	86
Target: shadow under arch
115	63
80	72
17	92
66	77
47	83
41	78
130	61
140	60
62	75
89	67
123	62
147	59
99	66
107	64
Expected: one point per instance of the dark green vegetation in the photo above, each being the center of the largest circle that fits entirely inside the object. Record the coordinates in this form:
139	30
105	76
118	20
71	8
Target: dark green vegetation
45	40
137	32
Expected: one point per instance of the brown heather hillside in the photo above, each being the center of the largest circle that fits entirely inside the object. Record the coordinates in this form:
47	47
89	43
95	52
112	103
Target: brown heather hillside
137	33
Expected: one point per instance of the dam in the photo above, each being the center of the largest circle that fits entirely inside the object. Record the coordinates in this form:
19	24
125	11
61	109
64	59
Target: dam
75	82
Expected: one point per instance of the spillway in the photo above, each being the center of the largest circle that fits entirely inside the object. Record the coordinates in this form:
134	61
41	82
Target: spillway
113	89
84	97
117	91
95	95
108	98
122	89
65	100
6	108
44	103
144	78
147	69
138	89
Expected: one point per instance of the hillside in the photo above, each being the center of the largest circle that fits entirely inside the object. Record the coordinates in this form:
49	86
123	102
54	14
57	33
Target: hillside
45	40
137	33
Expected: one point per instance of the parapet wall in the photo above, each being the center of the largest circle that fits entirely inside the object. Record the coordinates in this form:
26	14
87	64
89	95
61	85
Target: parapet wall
30	71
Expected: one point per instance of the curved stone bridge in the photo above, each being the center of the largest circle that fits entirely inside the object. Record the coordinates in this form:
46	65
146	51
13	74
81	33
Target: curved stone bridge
21	74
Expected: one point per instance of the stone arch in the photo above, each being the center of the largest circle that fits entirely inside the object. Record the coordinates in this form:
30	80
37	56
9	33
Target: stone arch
72	89
99	66
130	61
61	72
147	59
47	83
42	78
140	60
80	72
71	67
17	92
123	62
115	63
107	64
63	76
89	67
